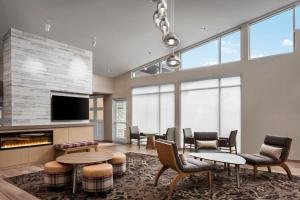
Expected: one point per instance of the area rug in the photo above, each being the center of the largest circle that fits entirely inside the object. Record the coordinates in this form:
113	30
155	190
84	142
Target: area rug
137	184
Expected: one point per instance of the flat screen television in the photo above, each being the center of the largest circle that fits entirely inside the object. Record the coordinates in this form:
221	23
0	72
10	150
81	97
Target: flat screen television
65	108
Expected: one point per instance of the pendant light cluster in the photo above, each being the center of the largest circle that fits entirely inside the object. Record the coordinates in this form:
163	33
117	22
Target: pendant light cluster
170	40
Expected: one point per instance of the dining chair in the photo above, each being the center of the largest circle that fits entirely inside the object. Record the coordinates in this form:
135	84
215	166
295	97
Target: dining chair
135	135
228	143
188	138
170	135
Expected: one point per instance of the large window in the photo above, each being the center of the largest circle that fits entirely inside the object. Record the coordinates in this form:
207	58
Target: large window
231	47
272	36
153	108
204	55
297	10
212	105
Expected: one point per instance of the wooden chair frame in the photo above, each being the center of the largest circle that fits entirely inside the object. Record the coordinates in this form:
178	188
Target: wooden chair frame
167	158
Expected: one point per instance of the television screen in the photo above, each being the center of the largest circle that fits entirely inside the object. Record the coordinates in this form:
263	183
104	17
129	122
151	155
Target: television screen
65	108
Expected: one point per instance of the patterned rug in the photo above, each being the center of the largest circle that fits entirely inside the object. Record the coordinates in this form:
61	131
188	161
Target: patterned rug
137	183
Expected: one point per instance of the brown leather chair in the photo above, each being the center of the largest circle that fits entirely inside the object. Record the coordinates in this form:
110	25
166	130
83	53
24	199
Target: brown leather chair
228	143
259	160
136	135
188	138
169	158
170	135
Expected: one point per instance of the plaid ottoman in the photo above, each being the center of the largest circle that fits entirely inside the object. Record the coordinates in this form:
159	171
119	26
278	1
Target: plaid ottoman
56	174
97	178
118	162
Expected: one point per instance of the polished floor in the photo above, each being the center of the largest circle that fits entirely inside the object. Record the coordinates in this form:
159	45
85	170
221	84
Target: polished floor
10	192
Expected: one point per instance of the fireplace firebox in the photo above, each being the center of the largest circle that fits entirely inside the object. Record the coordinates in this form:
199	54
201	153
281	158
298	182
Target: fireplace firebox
25	139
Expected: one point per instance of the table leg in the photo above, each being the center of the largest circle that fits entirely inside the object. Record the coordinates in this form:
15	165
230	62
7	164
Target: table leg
237	169
228	168
74	178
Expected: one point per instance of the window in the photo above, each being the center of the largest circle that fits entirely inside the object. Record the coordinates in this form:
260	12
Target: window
153	108
231	47
157	68
212	105
120	110
272	36
204	55
297	14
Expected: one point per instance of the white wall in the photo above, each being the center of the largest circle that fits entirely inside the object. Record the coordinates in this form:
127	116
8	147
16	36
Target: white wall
33	68
270	94
103	85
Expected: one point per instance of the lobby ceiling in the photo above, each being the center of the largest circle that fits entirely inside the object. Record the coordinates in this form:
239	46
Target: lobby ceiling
126	36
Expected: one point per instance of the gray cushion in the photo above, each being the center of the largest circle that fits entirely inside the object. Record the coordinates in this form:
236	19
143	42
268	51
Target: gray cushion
194	165
259	159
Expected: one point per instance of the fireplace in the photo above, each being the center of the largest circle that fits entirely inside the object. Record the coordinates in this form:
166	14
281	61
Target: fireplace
25	139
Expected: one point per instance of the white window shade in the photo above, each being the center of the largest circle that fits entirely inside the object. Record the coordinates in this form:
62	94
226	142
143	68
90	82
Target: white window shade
153	108
199	110
200	84
230	112
167	111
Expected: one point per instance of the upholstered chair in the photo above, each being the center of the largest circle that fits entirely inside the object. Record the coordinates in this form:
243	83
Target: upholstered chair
206	137
170	135
188	138
228	143
136	135
274	152
169	158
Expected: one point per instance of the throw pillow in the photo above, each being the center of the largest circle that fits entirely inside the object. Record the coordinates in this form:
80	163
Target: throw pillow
183	159
207	144
270	151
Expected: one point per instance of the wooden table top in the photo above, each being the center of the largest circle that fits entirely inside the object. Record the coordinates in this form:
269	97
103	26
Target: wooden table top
85	157
221	157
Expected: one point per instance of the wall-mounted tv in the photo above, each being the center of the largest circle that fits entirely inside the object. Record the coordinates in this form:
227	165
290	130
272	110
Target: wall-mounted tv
66	108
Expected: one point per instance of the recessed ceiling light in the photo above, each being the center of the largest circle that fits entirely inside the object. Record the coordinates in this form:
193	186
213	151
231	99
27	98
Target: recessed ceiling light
203	28
149	52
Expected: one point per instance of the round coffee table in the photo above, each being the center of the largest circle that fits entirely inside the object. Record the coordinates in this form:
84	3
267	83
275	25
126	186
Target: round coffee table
83	158
226	158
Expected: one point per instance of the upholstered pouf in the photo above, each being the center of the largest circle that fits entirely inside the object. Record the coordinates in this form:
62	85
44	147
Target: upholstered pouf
97	178
56	174
118	162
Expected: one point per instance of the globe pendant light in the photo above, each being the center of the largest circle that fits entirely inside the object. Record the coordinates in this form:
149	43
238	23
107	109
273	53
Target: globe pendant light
162	6
171	40
173	60
156	18
164	25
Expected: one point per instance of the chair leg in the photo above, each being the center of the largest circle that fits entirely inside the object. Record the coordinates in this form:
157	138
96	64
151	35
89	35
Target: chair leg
254	172
183	147
269	169
287	169
164	168
190	147
139	143
209	176
230	150
173	184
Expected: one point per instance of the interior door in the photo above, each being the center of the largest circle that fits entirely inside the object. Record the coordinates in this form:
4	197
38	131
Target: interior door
119	121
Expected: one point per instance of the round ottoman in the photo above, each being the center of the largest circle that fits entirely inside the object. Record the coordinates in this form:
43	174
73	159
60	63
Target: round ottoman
118	162
97	178
56	174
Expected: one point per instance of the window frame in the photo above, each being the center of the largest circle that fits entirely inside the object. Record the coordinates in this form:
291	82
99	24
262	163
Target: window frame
266	17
